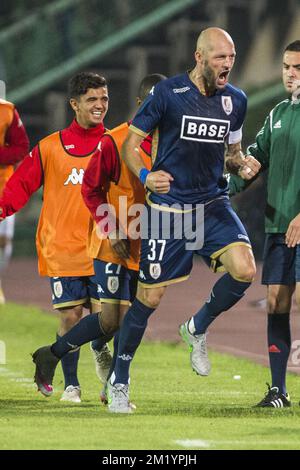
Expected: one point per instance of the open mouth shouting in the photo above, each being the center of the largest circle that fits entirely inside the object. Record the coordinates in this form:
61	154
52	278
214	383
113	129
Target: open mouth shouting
222	78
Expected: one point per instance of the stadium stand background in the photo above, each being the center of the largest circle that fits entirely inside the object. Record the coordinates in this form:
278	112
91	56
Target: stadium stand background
42	43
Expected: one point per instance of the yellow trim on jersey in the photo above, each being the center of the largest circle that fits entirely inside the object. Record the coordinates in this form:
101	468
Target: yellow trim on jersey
164	283
138	131
218	253
115	301
72	303
215	268
154	145
214	257
162	208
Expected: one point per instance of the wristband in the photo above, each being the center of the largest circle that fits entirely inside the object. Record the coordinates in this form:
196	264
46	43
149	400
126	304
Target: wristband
143	175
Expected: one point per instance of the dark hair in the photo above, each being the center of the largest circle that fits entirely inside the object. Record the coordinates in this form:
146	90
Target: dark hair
148	82
293	46
81	82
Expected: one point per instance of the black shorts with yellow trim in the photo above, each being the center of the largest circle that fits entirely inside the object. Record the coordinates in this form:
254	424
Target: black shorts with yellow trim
167	260
68	292
116	283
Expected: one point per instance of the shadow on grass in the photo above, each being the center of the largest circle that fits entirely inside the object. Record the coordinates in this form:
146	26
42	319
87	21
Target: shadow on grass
9	408
92	410
216	411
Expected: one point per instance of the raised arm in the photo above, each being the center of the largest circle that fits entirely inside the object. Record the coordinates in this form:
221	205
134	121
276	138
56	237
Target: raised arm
156	181
130	153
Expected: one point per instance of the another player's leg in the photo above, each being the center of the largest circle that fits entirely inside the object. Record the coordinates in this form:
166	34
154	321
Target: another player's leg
164	261
69	295
127	293
68	298
96	326
102	358
104	391
69	317
45	364
279	344
297	272
131	334
225	294
47	357
223	245
5	255
6	248
99	347
279	275
113	287
110	320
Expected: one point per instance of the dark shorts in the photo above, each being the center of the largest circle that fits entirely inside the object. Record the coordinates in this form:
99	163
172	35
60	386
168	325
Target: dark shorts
281	265
72	291
166	260
116	284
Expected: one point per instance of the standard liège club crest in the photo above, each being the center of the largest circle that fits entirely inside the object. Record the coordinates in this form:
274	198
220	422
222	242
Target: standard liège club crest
155	270
227	104
113	284
58	289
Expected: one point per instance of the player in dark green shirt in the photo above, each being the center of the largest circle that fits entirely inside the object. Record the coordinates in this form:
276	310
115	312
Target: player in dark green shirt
277	148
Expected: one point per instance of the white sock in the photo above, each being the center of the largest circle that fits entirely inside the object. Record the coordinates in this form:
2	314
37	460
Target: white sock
191	326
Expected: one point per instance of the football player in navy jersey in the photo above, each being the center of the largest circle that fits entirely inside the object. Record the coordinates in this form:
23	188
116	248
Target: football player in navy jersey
196	118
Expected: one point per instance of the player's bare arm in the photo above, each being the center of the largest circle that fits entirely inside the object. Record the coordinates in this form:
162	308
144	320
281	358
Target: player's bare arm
1	212
237	164
156	181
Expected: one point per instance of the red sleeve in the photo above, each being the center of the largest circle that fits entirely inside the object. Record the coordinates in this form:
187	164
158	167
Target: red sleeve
27	179
16	142
147	144
103	167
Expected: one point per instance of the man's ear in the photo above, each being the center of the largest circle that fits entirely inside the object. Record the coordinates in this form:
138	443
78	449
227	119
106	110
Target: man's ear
74	104
199	57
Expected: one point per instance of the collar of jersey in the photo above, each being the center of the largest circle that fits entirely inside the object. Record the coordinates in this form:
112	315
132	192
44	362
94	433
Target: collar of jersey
77	129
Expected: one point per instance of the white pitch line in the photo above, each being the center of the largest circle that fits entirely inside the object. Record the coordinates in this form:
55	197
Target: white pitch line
23	380
16	377
199	443
193	443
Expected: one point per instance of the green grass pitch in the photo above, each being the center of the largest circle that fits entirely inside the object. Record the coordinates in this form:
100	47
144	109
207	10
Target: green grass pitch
175	408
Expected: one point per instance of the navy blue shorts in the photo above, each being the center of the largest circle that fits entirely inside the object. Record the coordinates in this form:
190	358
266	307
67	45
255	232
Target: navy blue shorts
72	291
116	284
281	265
166	260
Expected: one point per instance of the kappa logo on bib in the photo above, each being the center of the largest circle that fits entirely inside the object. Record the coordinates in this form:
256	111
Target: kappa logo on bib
204	129
75	177
99	289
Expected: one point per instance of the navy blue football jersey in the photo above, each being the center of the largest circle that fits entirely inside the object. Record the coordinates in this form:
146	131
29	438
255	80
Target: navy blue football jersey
190	131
